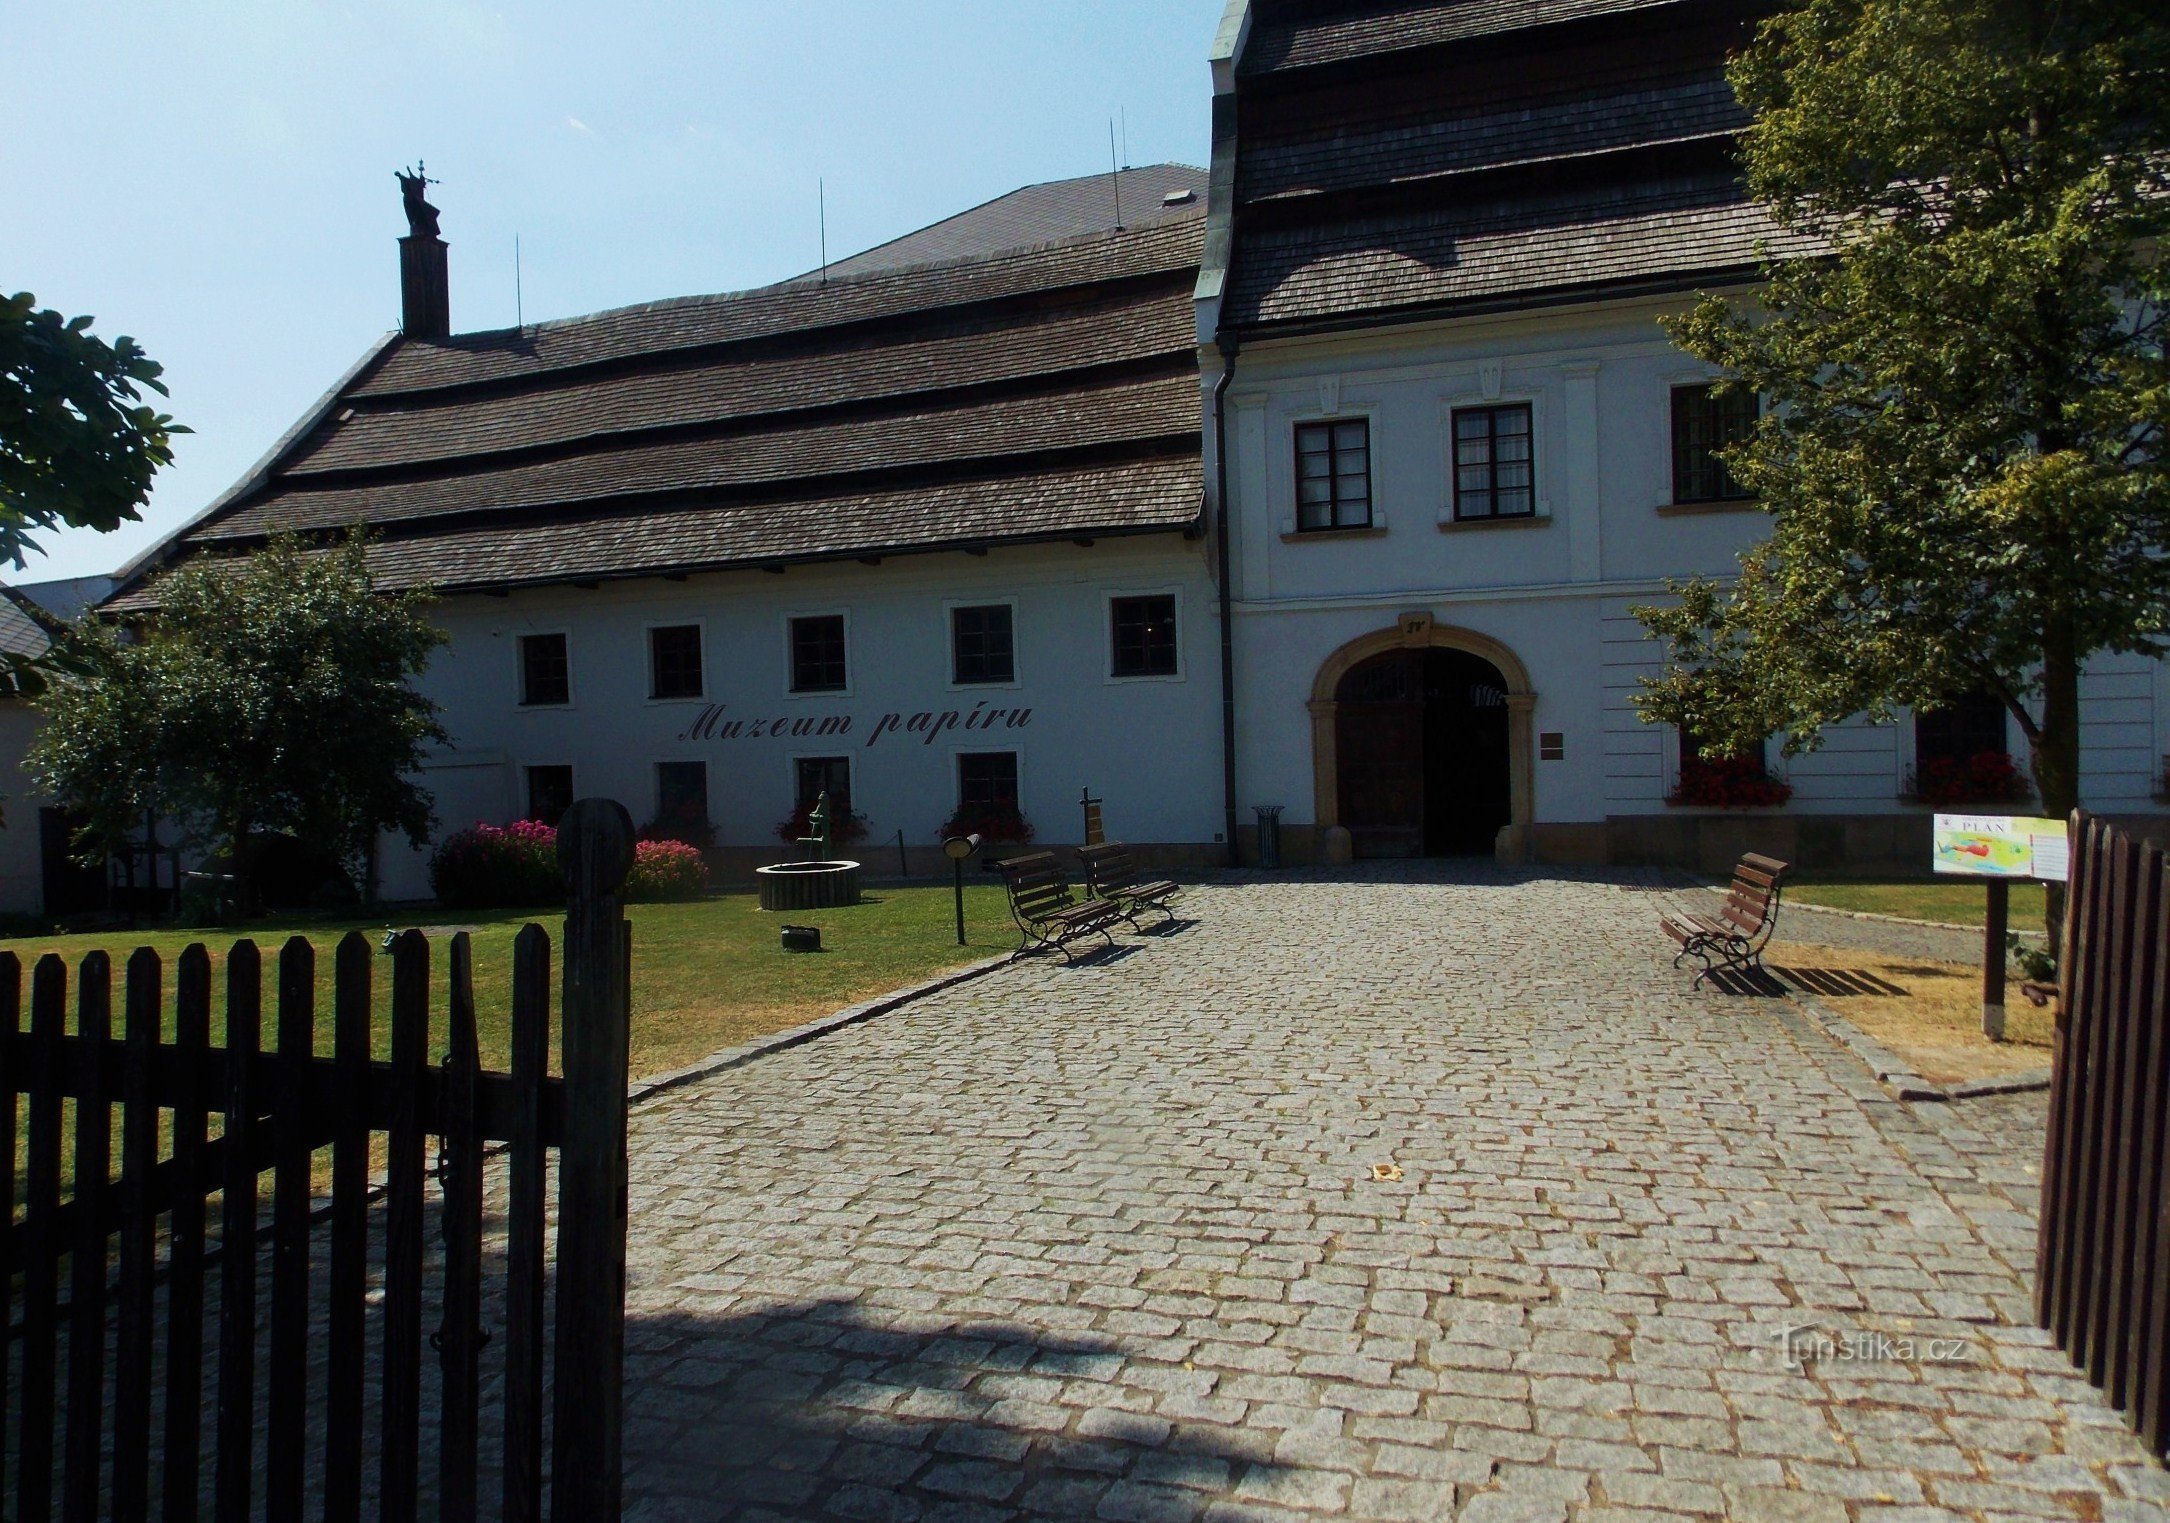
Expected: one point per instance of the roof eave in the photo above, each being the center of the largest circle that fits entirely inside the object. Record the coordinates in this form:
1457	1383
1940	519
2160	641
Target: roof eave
161	553
1727	276
826	557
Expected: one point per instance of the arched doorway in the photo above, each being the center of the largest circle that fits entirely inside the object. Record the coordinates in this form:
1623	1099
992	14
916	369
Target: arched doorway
1422	736
1421	742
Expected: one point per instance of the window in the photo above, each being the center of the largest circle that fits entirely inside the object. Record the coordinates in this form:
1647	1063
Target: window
981	648
1703	424
674	661
824	774
1144	636
1752	760
817	654
549	793
1961	728
1494	473
545	675
1333	474
986	781
1960	759
1742	779
681	794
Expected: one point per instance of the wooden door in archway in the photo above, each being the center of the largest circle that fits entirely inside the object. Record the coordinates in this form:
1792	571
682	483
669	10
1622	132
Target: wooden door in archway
1421	741
1379	740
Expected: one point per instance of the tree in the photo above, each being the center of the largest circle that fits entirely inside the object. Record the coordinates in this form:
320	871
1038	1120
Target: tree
1962	449
278	695
101	747
78	445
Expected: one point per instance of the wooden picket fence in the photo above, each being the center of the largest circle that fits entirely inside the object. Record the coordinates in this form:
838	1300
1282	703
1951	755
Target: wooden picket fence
2103	1273
83	1433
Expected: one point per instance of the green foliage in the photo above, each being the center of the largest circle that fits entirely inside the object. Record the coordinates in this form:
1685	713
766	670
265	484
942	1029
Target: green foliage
78	446
1962	448
102	747
271	694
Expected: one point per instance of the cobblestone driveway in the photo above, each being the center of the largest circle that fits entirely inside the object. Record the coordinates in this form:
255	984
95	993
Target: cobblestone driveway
1114	1242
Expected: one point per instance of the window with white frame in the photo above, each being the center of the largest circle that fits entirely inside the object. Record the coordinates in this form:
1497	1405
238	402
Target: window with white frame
674	661
1495	468
545	671
982	644
1333	474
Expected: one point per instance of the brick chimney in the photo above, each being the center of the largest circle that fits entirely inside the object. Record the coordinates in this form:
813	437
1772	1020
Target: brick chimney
425	281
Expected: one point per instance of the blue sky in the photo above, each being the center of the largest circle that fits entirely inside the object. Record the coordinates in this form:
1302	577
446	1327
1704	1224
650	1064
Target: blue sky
216	179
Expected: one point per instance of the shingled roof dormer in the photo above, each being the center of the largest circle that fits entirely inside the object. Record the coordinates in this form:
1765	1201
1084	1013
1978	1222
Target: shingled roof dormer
425	281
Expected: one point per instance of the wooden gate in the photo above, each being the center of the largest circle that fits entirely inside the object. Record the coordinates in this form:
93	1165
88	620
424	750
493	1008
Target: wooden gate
2103	1272
343	1376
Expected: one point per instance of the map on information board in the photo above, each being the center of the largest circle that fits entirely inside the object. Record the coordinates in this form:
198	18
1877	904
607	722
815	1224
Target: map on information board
2000	846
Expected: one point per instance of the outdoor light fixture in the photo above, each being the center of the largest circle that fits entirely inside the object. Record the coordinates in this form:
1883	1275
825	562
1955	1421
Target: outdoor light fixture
958	848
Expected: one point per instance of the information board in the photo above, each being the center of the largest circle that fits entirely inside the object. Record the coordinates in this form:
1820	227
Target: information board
2001	846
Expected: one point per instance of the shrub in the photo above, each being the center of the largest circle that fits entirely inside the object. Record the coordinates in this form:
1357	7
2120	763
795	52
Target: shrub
688	823
666	870
1738	782
1987	777
999	821
498	867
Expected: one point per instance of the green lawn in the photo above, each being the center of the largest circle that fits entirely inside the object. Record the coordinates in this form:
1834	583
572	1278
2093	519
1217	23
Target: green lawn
705	975
1947	902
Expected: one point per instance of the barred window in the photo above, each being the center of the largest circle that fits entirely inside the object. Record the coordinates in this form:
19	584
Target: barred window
1703	424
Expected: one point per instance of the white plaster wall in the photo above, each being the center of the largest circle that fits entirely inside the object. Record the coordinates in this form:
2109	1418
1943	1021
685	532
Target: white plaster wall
1149	747
22	886
1557	590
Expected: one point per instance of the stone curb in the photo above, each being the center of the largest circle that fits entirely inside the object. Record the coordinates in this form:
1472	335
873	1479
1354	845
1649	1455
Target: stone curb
1900	1081
657	1085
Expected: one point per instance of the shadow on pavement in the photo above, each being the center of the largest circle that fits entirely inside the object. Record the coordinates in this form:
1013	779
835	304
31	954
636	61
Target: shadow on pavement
821	1410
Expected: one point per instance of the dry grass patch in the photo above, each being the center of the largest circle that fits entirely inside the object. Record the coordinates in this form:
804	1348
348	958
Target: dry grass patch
1935	1022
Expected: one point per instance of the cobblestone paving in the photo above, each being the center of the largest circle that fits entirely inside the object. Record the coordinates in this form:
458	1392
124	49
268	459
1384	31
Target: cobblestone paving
1398	1197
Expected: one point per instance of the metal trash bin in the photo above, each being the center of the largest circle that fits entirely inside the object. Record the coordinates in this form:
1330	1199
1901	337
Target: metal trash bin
1269	834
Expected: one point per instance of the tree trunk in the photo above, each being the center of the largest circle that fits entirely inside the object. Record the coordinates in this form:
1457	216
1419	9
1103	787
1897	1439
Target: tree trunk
2057	751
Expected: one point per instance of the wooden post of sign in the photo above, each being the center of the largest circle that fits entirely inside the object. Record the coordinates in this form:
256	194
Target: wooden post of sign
595	848
1993	954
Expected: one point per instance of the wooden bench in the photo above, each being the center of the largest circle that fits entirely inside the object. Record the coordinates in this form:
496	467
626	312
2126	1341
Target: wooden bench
1045	910
1111	874
1735	937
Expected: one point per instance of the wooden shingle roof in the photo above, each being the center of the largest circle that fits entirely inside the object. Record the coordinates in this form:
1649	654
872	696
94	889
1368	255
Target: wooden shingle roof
1397	161
1008	394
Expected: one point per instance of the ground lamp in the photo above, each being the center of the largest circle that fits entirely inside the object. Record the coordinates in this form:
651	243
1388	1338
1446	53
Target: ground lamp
958	848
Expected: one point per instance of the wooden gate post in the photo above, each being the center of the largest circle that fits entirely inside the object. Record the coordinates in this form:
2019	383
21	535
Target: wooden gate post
595	847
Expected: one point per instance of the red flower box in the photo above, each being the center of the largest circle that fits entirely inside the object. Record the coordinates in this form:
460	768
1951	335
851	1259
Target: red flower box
1738	782
1987	777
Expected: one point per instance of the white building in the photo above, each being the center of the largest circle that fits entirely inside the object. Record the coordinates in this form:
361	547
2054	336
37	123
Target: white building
1459	449
930	529
922	531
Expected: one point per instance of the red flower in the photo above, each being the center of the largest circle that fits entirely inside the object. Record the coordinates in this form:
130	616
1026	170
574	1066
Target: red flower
1737	782
1987	777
